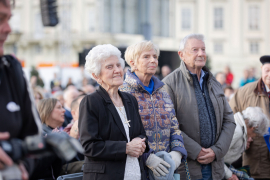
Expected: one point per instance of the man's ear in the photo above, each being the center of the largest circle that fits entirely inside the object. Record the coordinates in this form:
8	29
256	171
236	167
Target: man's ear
72	113
181	54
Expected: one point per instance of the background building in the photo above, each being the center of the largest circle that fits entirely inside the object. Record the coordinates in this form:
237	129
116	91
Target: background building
236	31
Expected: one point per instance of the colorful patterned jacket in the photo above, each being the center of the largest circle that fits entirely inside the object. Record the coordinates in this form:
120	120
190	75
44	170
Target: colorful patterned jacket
157	115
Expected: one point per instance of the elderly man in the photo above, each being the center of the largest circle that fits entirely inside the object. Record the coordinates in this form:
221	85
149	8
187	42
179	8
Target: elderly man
205	118
256	94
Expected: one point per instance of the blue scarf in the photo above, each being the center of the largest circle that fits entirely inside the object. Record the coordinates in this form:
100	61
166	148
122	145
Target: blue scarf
150	87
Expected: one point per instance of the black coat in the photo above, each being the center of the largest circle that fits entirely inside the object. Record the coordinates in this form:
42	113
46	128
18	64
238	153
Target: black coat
103	136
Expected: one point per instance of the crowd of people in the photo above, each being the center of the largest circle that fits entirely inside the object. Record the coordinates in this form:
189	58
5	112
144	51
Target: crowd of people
136	125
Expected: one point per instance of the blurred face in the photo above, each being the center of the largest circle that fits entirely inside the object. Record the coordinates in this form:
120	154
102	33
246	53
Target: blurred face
58	114
221	78
61	99
147	63
165	70
266	74
111	73
5	14
75	112
194	54
73	94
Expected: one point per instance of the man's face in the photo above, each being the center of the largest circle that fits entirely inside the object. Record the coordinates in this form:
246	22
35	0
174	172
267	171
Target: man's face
266	74
5	14
194	54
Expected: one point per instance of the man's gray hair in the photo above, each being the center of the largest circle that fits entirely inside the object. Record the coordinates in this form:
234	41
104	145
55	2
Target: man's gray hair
190	36
256	118
98	55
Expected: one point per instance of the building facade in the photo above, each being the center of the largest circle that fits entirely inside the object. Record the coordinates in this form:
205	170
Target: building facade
236	31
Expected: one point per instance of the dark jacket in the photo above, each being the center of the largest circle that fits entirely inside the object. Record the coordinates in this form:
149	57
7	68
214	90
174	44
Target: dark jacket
103	135
19	116
179	85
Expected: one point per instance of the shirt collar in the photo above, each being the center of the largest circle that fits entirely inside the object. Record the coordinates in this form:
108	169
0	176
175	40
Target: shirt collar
267	88
202	74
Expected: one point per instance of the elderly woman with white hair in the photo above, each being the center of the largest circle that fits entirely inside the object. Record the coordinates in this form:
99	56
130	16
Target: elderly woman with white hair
110	127
155	106
251	123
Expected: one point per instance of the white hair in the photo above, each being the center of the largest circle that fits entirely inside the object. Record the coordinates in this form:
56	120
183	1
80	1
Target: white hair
190	36
98	55
256	118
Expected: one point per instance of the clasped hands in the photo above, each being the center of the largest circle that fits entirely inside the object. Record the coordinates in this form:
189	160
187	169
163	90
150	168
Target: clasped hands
206	156
136	147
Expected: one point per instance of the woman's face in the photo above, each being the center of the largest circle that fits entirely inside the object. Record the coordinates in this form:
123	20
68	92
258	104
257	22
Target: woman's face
147	63
58	114
111	73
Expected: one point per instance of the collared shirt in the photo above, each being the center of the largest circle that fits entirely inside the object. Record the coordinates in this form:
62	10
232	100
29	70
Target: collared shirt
201	78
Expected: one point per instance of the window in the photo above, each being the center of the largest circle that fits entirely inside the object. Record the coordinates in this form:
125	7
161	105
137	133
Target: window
254	47
160	17
218	48
91	20
218	18
254	13
186	19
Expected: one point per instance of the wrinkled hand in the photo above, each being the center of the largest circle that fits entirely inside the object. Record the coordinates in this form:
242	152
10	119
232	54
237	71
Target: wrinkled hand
136	147
207	156
157	165
5	160
234	177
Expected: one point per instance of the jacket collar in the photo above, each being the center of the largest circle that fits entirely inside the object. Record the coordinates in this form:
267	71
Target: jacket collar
186	73
134	81
258	89
128	107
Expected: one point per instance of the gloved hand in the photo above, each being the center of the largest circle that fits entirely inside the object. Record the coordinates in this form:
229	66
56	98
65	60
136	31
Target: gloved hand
176	157
157	165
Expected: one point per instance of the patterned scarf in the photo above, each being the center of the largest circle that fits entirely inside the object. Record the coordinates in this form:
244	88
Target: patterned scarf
264	90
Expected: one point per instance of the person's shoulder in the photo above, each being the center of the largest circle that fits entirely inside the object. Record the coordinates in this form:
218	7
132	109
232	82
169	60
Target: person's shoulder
249	87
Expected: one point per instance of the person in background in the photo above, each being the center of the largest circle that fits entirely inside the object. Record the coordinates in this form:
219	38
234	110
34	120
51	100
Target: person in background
228	92
251	123
155	106
19	117
252	74
165	70
256	94
52	117
69	95
74	131
204	115
246	79
38	95
69	83
55	84
59	96
229	75
221	78
110	127
88	89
